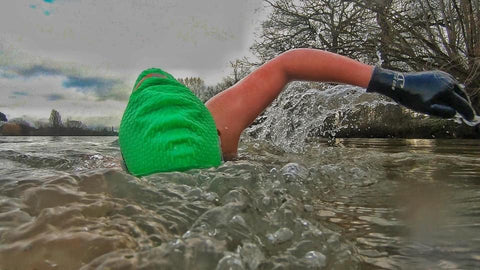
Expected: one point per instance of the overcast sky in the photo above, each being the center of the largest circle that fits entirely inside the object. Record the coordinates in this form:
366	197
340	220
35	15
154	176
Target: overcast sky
81	57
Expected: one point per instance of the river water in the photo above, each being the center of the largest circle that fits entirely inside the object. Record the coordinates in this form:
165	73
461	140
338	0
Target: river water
65	203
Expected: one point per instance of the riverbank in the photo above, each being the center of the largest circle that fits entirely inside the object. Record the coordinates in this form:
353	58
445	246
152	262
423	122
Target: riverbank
16	129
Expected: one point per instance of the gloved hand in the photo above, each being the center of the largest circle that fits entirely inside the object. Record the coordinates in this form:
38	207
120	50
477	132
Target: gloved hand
431	92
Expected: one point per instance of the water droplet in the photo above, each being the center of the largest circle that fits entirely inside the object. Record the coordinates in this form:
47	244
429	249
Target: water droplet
266	201
315	259
308	208
280	236
210	196
230	262
237	219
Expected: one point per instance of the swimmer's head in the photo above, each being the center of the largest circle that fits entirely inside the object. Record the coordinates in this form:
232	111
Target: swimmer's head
165	127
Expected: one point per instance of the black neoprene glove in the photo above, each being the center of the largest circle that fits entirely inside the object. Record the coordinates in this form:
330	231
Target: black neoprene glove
431	92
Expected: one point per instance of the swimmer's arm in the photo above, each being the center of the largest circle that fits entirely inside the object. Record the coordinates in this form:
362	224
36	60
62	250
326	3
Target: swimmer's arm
237	107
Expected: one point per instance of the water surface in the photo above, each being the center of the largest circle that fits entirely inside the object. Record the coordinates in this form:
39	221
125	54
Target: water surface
65	203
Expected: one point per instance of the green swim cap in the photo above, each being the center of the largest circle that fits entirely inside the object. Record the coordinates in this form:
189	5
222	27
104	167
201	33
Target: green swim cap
165	127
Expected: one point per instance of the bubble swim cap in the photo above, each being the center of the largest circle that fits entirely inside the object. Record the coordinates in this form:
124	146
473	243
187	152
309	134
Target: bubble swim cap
165	127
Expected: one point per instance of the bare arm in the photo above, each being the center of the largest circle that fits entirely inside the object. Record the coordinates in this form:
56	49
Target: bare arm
237	107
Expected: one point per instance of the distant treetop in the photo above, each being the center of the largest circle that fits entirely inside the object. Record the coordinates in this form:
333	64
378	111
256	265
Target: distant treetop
3	117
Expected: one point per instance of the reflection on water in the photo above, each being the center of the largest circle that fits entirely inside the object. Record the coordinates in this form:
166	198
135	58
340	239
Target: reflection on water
340	204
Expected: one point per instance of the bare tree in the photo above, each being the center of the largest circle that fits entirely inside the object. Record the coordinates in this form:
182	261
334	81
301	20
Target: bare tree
3	117
196	85
41	124
333	25
21	122
55	119
406	35
75	124
240	69
433	34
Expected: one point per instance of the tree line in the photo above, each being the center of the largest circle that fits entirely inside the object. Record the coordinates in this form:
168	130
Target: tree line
54	127
240	69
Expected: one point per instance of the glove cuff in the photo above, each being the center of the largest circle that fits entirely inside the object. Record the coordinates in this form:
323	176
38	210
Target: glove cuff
385	81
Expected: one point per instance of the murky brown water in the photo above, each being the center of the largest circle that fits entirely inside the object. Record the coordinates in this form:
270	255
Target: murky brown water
65	203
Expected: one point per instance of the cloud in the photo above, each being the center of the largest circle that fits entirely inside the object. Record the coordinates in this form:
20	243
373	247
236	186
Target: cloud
38	70
102	87
54	97
6	73
187	38
20	93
